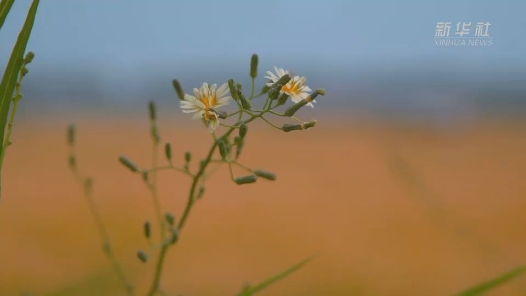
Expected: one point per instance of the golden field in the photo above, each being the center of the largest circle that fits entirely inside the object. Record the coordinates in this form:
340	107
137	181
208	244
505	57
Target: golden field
388	209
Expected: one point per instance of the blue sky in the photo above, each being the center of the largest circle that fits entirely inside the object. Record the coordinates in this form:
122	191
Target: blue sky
130	41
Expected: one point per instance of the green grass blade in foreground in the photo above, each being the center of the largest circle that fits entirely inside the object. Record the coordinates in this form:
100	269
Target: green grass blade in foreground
7	86
5	6
265	284
489	285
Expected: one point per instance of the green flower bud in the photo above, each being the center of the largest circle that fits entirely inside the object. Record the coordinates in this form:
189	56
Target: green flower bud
265	88
283	99
222	114
142	256
24	71
254	66
265	175
72	161
246	179
273	93
168	151
129	164
294	108
153	113
298	127
29	57
170	219
239	147
71	135
233	90
188	156
244	102
145	176
282	81
175	236
243	130
147	229
178	89
201	192
223	149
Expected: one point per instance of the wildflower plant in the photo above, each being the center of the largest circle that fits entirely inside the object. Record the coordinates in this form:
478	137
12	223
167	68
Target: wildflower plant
281	90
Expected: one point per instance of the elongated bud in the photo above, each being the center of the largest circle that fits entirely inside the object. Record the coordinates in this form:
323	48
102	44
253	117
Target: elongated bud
72	160
265	175
175	236
283	99
294	108
142	256
282	81
254	66
298	127
170	219
223	149
188	156
147	229
239	146
24	71
129	164
71	135
273	94
145	176
243	130
201	192
244	102
178	89
246	179
153	113
168	151
88	185
233	90
29	57
222	114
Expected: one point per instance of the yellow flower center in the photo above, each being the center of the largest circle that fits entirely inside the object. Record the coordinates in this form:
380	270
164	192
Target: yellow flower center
294	87
209	103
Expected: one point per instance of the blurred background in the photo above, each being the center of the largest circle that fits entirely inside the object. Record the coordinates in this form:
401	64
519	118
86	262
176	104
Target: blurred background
409	184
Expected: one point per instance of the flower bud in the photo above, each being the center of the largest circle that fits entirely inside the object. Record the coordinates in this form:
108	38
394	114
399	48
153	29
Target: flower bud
265	175
175	236
71	135
222	114
298	127
29	57
168	151
170	219
254	66
273	93
153	113
294	108
129	164
223	149
72	161
178	89
243	130
244	102
145	176
282	81
282	99
24	71
147	229
239	146
233	91
188	156
246	179
142	256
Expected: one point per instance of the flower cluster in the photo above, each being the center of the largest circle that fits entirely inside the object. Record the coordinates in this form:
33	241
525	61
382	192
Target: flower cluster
281	85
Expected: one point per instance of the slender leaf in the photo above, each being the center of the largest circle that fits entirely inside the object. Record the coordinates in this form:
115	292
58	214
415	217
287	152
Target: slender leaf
265	284
489	285
12	70
5	6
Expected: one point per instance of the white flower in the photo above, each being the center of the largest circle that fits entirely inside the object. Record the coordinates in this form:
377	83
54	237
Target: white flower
296	88
204	102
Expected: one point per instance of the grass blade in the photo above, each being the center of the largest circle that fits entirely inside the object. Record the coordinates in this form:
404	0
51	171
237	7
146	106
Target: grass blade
5	6
489	285
265	284
12	70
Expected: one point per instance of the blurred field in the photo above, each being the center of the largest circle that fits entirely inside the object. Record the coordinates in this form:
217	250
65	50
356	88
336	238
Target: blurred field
388	209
